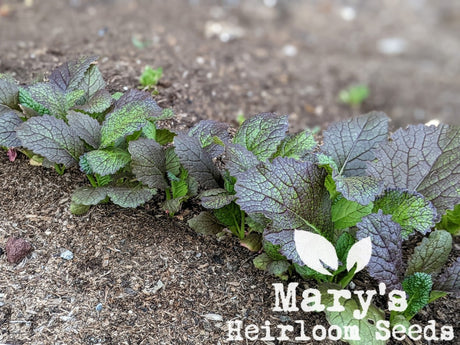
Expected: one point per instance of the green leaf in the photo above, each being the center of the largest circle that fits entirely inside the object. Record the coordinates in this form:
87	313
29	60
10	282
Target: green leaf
148	162
150	76
89	195
354	95
306	273
172	162
179	187
164	136
132	112
367	326
278	268
9	121
216	198
205	223
298	146
108	161
262	134
423	159
78	209
273	251
451	221
343	245
50	100
418	287
26	100
173	206
52	138
346	213
229	215
130	197
434	295
9	92
288	192
411	210
87	128
432	254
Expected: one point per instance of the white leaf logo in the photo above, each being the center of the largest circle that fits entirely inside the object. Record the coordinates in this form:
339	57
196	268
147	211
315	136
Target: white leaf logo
360	254
314	250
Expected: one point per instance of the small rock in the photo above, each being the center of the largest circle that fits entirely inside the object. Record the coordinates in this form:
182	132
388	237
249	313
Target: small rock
17	249
348	13
392	45
290	50
213	317
67	255
99	307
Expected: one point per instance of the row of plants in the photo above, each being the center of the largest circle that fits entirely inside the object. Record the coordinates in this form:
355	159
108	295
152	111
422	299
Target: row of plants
262	184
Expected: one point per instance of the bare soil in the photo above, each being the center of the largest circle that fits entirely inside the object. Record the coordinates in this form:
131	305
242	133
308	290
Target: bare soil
120	255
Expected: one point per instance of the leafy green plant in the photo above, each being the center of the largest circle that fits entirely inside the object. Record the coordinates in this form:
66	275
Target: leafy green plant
354	95
150	77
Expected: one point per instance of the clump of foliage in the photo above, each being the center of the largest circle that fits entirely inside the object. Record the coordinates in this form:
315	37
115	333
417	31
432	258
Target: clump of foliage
264	185
150	77
354	95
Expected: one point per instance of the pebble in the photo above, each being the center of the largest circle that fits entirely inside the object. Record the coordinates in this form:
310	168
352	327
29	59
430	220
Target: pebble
17	249
213	317
392	45
348	13
67	255
99	307
290	50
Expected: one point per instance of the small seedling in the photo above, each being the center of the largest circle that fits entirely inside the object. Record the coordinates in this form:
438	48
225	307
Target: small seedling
150	77
354	95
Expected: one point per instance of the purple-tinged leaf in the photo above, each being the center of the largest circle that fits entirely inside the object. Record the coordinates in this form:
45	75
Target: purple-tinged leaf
197	161
9	92
92	82
131	112
449	280
87	128
386	263
350	143
409	209
288	192
423	159
361	189
128	197
12	154
68	76
148	162
9	121
239	159
262	134
206	131
52	138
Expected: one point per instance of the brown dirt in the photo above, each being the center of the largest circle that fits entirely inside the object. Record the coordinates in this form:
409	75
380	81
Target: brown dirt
120	255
